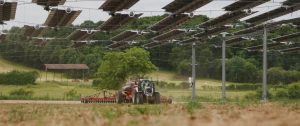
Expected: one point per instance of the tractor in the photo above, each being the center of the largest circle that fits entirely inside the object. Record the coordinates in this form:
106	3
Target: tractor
138	92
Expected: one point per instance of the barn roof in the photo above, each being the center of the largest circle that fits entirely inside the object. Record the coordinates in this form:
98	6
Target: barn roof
66	66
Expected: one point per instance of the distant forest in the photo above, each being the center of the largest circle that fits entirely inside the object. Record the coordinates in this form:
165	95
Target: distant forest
242	66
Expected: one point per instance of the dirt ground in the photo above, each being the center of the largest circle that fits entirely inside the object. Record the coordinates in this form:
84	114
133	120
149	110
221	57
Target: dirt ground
31	114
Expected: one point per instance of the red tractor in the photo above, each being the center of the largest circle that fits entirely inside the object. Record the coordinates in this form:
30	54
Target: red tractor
139	92
136	92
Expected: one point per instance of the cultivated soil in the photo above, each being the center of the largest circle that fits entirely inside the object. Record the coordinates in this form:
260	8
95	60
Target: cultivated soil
32	114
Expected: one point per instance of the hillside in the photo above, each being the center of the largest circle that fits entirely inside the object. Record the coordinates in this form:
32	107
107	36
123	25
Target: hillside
6	66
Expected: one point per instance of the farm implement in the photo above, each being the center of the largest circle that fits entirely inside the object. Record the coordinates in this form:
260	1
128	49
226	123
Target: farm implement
136	92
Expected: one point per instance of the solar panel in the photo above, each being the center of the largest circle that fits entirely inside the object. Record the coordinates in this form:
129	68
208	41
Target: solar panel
117	45
49	2
182	6
236	41
224	19
208	32
188	41
170	22
79	35
58	18
117	5
260	47
244	4
128	35
78	44
30	31
270	26
286	37
289	50
8	11
290	2
116	21
175	33
154	44
273	14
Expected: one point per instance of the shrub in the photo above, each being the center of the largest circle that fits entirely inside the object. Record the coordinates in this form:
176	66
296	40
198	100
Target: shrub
21	92
18	78
72	95
162	84
281	93
294	91
275	75
243	87
193	105
96	83
184	85
257	95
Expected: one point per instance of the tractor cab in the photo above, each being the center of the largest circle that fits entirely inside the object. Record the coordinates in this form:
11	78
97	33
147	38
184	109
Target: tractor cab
147	87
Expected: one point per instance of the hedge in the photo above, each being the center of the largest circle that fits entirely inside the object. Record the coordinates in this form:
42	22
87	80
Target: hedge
18	78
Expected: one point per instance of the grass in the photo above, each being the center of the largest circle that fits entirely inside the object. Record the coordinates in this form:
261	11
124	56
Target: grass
51	90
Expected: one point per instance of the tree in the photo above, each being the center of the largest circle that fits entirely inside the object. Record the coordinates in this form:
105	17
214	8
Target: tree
119	66
275	75
240	70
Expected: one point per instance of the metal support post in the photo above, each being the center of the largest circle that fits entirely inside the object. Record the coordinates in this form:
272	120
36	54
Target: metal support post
193	71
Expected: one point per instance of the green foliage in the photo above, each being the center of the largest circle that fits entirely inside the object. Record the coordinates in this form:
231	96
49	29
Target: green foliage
281	93
21	92
72	95
277	75
193	105
118	66
18	78
257	95
240	70
243	87
294	91
184	85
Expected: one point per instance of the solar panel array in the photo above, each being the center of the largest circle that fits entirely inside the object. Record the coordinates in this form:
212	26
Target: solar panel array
181	12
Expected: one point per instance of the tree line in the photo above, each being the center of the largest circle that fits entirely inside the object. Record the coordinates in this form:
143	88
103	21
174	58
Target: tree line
242	66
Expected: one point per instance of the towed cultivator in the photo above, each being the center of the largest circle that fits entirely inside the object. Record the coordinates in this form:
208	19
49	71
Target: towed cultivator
136	92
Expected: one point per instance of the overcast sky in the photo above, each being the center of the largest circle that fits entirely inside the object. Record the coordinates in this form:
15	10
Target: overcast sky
32	14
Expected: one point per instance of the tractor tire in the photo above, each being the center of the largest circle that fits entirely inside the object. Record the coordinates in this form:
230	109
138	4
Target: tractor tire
119	97
157	98
139	98
134	98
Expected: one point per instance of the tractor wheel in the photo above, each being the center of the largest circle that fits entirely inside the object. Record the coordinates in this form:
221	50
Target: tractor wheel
119	97
139	98
157	98
134	98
